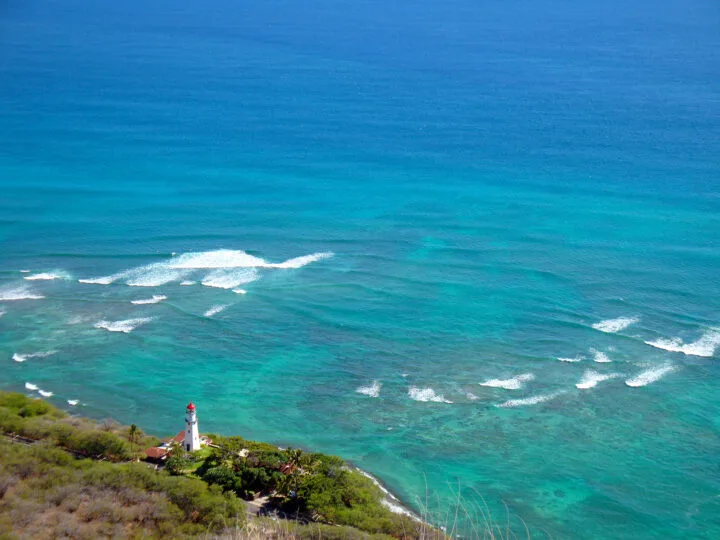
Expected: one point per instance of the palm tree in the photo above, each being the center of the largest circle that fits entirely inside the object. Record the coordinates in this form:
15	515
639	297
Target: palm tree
294	457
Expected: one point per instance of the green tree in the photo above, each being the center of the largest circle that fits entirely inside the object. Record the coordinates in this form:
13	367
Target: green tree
177	464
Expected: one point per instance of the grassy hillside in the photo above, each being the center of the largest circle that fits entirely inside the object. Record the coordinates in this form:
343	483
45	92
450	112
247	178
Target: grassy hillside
73	477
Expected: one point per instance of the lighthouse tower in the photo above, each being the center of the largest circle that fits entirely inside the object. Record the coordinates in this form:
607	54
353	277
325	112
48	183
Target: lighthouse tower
192	436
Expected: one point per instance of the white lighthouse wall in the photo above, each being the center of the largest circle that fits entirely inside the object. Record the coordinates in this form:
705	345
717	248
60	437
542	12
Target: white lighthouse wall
192	434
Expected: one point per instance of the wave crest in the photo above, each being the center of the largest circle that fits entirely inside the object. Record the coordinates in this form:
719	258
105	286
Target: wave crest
534	400
125	326
650	376
22	357
600	357
570	360
156	298
426	394
48	276
229	279
223	260
215	310
21	292
591	379
612	326
515	383
372	390
705	346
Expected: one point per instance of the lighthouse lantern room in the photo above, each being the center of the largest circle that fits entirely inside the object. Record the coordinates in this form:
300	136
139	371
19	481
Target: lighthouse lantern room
192	435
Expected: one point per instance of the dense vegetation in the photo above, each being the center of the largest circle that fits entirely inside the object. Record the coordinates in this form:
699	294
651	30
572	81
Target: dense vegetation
83	479
38	420
315	486
47	492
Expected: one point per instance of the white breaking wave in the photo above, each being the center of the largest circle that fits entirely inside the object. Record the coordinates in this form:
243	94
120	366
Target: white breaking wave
48	276
239	291
44	393
299	262
591	378
389	501
615	325
22	357
215	310
372	390
21	292
30	386
510	384
154	300
180	267
187	283
106	280
471	396
227	258
512	403
73	402
125	326
571	360
154	275
650	376
229	279
600	357
221	258
705	346
426	394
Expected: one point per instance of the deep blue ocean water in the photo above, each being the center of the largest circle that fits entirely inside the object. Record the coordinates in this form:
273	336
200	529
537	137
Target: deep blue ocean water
500	185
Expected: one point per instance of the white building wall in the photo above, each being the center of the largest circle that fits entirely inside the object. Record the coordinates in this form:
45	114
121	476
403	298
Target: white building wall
192	434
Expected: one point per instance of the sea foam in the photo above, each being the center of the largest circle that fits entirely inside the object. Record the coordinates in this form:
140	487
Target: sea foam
48	276
426	394
154	300
512	403
154	275
45	393
372	390
591	379
215	310
227	258
125	326
73	402
515	383
30	386
21	292
22	357
615	325
600	357
705	346
179	269
229	279
571	360
650	376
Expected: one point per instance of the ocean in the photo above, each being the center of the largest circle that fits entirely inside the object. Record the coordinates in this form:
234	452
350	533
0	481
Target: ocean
470	246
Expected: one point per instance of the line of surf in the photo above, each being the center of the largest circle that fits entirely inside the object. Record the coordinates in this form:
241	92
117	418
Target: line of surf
514	383
705	346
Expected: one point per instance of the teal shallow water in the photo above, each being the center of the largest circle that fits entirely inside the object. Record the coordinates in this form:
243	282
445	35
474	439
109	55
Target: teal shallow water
502	200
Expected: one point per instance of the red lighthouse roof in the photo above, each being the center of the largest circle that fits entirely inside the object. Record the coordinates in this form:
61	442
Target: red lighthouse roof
191	407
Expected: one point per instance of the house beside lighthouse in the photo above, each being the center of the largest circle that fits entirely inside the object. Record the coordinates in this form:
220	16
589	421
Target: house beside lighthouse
191	441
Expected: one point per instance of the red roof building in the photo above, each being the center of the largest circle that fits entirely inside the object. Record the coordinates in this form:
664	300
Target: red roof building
156	453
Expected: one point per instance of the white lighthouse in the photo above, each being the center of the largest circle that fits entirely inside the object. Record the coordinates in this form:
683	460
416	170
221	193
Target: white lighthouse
192	436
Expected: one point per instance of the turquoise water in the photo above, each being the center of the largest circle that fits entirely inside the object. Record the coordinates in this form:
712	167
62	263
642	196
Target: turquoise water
481	188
